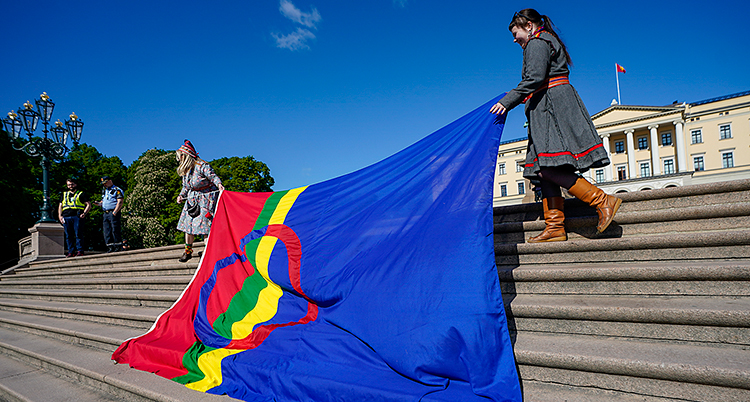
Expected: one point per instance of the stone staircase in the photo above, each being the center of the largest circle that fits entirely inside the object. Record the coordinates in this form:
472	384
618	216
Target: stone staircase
656	309
61	320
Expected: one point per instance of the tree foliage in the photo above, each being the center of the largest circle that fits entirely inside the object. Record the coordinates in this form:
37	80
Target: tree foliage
22	200
243	174
87	165
151	213
22	182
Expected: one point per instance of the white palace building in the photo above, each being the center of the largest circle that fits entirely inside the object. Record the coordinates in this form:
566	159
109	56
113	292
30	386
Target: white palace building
652	147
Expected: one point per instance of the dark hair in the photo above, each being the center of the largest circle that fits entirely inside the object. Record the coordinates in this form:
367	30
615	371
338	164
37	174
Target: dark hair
529	14
72	180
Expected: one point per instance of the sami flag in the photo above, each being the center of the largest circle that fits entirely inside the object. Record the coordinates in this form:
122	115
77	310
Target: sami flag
620	69
379	285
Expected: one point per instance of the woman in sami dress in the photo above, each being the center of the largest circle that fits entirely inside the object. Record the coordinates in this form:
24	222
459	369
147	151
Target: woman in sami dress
562	137
200	190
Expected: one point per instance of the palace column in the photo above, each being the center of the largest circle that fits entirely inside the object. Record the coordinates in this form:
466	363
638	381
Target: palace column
655	162
680	144
632	172
608	172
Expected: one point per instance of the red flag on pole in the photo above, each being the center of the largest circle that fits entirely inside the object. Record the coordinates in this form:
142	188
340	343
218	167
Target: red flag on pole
620	69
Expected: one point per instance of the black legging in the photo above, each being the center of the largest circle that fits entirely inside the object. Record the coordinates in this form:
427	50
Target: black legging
552	178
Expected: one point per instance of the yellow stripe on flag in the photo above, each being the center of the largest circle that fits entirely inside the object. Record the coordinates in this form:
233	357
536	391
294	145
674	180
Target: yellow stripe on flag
282	209
210	364
266	307
268	299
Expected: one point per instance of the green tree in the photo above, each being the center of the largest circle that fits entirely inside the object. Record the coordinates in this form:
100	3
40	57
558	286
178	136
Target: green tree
22	182
151	213
22	198
243	174
87	165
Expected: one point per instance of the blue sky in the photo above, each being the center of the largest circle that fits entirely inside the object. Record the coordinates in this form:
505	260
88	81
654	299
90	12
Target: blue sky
319	88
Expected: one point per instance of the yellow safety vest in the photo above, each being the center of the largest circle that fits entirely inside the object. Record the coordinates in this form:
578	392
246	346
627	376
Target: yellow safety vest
72	202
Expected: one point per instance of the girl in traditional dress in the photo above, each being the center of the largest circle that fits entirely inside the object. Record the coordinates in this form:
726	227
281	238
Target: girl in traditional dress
200	190
562	137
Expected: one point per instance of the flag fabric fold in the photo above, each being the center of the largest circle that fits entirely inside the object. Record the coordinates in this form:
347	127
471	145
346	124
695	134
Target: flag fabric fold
378	285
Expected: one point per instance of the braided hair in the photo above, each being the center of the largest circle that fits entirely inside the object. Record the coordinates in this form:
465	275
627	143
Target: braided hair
521	18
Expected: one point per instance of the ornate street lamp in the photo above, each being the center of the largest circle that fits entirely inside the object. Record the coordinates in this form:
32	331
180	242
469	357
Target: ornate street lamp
48	148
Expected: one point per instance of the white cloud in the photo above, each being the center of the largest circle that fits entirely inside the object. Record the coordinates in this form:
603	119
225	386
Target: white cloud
400	3
290	11
296	40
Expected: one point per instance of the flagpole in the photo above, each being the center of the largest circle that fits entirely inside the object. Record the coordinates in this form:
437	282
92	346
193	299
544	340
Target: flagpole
617	76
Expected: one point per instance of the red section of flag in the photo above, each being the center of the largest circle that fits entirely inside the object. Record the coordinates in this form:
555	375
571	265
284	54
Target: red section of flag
620	69
161	349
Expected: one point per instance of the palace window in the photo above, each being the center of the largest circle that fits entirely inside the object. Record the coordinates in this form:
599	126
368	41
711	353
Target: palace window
521	187
645	169
642	142
725	132
668	166
599	175
500	168
619	147
519	166
727	159
622	173
696	136
698	163
666	138
503	190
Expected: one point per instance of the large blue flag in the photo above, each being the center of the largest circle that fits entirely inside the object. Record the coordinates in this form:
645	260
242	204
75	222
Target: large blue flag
379	285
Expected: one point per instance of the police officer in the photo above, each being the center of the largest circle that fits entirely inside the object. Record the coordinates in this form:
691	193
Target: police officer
111	203
72	210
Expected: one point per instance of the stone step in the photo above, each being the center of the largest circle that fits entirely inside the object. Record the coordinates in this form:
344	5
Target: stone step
155	283
698	320
91	368
21	383
726	245
151	256
135	317
161	299
537	391
659	369
104	336
671	278
576	208
108	271
640	223
725	193
113	262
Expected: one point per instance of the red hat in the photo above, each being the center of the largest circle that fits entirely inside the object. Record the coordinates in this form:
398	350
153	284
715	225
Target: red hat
189	149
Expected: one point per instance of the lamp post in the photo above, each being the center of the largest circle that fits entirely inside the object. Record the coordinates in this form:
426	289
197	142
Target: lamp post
49	148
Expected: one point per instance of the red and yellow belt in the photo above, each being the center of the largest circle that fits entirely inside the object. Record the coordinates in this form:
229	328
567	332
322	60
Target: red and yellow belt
551	82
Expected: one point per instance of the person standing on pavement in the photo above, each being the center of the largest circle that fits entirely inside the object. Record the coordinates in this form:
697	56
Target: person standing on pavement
111	203
72	212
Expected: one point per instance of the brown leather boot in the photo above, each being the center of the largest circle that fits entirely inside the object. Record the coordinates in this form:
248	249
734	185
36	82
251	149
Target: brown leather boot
606	205
555	220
